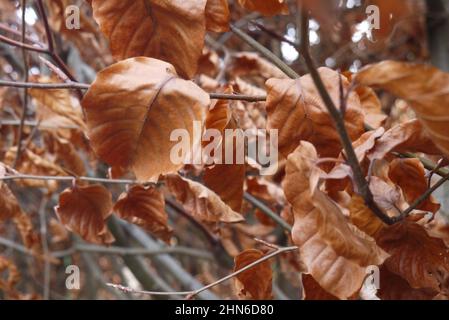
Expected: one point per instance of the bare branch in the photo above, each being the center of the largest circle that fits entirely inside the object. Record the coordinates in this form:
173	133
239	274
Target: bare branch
359	178
191	294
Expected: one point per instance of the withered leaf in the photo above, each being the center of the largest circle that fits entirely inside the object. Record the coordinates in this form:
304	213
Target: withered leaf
405	137
226	180
363	218
420	259
217	15
410	176
335	252
145	207
200	201
423	86
266	7
257	281
132	109
9	207
170	30
295	108
59	101
84	209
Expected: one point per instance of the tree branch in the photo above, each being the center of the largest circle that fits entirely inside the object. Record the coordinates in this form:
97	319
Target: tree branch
359	178
191	294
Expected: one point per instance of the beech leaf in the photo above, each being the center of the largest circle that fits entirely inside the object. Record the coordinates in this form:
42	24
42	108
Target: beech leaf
424	87
145	207
133	107
200	201
257	281
84	209
335	252
170	30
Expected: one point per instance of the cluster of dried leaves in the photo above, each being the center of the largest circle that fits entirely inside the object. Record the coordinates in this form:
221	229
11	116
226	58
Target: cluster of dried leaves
145	92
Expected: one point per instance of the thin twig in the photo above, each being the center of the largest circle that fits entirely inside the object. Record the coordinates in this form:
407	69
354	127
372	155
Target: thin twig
22	249
267	211
424	196
84	86
45	248
359	178
124	251
265	52
193	293
44	86
25	90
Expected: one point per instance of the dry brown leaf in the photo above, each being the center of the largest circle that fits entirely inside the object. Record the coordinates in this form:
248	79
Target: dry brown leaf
226	180
172	31
30	238
217	15
250	63
420	259
66	153
363	218
209	64
132	109
410	176
59	101
257	281
33	163
313	291
266	7
145	207
9	276
394	287
405	137
200	201
371	104
295	108
336	253
84	210
423	86
58	231
9	207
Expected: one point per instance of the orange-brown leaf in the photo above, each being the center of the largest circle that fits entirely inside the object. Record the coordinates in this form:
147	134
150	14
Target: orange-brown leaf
410	176
172	31
132	109
257	281
145	207
423	86
335	252
295	108
226	180
405	137
217	15
84	209
9	207
266	7
420	259
200	201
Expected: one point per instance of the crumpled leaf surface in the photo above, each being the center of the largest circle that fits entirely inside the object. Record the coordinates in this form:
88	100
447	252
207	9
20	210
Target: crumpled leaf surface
336	253
133	107
145	207
225	179
417	257
410	176
200	201
295	108
266	7
84	210
423	86
257	281
217	15
169	30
